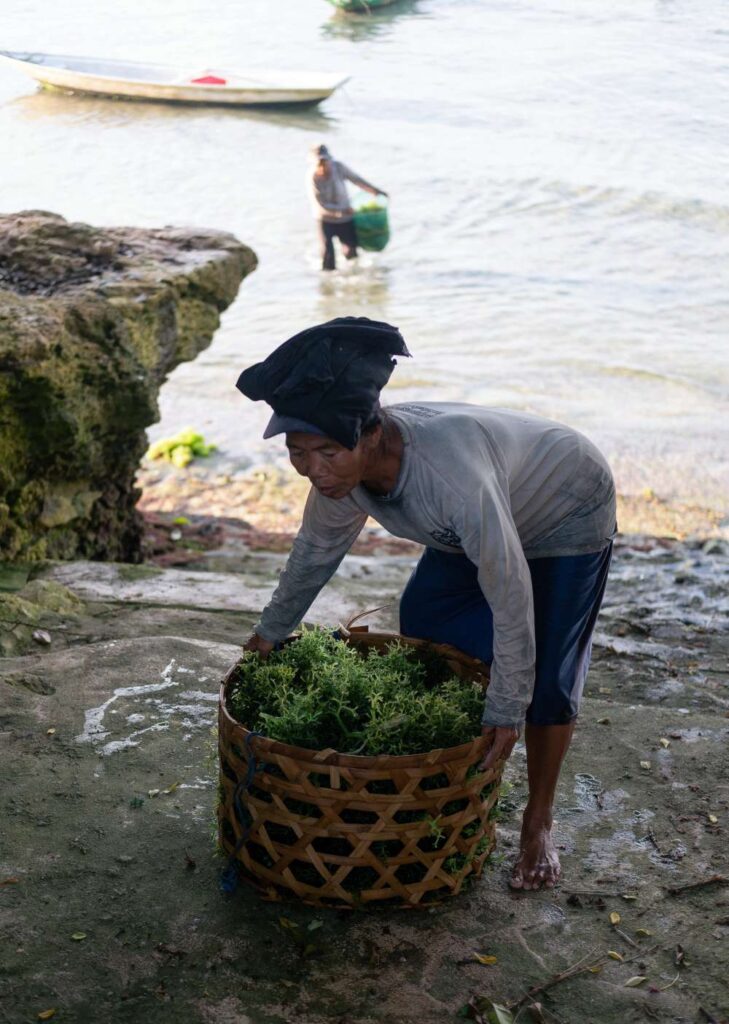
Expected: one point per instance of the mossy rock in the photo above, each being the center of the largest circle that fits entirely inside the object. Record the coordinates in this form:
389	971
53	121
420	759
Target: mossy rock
51	596
14	575
132	573
18	620
91	323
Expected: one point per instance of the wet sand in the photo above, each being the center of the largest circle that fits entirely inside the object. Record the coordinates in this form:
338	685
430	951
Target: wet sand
270	499
109	903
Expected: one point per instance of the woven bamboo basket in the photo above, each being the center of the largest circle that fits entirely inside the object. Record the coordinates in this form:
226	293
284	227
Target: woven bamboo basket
343	830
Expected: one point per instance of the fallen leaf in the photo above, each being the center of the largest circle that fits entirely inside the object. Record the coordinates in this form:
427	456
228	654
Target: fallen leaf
316	923
642	931
634	982
190	864
152	792
497	1014
614	917
172	788
628	896
595	970
713	819
47	1014
10	881
481	1010
604	689
615	956
603	721
484	958
664	742
286	922
41	636
679	956
645	764
50	732
78	936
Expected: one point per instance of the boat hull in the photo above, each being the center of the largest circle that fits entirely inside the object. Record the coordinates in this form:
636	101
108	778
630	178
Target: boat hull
361	6
75	81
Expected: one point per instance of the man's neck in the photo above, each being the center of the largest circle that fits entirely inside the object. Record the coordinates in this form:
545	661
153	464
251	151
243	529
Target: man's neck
383	474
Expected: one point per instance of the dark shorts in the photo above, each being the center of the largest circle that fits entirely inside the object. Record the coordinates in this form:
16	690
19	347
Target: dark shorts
444	602
345	232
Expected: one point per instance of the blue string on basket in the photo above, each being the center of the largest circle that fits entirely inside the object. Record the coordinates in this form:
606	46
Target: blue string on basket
229	877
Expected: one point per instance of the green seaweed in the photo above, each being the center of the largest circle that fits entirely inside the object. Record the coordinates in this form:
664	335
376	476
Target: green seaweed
181	449
318	692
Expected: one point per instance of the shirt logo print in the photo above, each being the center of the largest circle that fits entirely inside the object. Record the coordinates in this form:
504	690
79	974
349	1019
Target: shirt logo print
448	537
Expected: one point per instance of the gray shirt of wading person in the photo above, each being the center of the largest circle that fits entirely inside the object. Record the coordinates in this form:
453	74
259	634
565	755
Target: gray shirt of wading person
329	197
498	485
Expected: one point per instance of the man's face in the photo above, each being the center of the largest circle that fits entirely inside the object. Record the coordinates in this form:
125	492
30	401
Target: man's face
324	167
333	469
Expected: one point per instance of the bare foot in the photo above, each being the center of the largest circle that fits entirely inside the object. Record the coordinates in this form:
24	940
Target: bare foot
538	862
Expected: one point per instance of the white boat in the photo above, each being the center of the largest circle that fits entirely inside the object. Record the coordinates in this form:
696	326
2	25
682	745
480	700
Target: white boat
132	80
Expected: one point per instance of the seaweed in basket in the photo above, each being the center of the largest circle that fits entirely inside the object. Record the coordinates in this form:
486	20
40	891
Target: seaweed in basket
318	692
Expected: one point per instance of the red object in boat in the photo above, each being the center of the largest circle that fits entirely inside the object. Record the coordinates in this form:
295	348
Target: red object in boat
209	80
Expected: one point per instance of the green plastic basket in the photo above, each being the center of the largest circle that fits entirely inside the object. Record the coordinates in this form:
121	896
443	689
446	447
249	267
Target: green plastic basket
371	225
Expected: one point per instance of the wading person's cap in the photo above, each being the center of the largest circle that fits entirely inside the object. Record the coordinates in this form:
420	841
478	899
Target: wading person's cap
326	379
321	152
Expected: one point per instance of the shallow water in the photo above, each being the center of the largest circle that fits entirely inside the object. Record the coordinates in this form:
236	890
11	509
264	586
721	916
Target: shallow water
559	213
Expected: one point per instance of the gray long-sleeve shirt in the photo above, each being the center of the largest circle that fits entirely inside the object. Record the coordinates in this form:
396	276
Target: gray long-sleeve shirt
498	485
329	196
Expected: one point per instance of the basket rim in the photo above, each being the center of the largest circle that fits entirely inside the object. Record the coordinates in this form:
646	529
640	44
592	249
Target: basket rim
327	757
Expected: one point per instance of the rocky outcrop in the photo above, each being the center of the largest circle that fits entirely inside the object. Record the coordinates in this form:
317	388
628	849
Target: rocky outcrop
91	322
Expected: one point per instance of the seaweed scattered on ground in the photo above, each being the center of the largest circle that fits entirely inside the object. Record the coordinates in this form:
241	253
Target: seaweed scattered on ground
181	449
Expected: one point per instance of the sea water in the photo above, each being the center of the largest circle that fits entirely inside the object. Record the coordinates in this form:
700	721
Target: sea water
558	174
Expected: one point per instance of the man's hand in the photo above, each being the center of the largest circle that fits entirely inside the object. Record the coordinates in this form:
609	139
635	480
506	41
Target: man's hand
500	743
257	643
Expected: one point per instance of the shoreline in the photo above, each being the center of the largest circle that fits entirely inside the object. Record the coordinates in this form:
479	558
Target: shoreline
261	509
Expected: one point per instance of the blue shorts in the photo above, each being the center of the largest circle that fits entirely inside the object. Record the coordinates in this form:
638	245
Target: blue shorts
443	602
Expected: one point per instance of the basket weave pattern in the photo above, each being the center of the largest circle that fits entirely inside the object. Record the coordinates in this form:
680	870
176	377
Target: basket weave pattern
342	830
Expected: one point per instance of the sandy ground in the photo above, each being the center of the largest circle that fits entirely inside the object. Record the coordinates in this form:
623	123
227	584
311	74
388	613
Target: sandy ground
109	900
271	498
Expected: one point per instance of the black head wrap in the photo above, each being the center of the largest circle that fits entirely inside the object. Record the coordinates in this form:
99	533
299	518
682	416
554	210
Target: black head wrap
330	375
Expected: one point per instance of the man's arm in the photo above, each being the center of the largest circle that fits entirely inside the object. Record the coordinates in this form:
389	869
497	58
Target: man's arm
491	541
350	175
328	530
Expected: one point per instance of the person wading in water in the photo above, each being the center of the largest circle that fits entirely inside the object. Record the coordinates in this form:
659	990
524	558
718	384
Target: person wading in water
332	205
516	513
